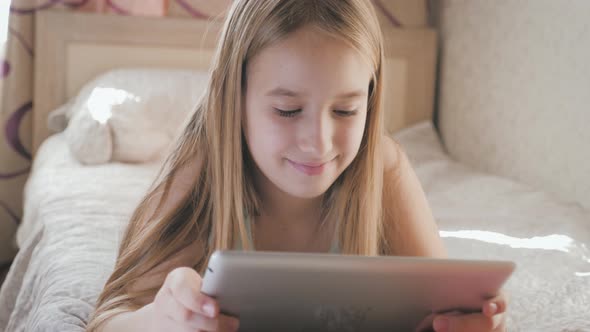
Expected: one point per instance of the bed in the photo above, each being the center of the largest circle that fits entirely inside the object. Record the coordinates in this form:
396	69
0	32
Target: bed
75	214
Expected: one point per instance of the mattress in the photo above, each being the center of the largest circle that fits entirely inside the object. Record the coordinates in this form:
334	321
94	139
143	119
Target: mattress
75	216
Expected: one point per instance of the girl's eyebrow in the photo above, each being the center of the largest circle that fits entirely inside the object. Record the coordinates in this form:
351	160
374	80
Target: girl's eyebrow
282	92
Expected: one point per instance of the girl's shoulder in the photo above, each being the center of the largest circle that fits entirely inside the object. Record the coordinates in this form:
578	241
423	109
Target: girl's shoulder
410	227
393	154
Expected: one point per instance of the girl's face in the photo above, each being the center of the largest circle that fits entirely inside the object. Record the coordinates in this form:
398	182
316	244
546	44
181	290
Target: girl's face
305	111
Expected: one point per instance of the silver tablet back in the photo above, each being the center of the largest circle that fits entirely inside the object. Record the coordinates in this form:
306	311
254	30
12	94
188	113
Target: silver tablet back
271	291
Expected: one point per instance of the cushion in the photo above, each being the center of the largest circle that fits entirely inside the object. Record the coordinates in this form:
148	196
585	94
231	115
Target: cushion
514	88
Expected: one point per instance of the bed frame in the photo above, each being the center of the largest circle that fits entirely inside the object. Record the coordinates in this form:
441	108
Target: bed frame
72	48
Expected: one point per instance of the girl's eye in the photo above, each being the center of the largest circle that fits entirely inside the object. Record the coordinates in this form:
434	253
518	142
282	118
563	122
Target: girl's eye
345	113
292	113
287	113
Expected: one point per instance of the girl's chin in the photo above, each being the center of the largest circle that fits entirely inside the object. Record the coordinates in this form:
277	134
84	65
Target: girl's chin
307	192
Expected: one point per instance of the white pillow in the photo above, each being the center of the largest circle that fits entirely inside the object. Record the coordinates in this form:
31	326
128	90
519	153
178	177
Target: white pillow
128	115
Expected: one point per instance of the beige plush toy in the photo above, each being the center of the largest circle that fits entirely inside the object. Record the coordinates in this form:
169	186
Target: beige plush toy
128	115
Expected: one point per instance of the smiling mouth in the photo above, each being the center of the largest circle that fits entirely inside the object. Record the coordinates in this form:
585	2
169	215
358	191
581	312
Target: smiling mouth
310	168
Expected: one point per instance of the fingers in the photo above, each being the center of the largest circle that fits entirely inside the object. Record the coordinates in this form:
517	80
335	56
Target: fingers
185	286
171	308
198	322
181	301
490	309
183	317
222	323
426	324
465	323
491	319
496	305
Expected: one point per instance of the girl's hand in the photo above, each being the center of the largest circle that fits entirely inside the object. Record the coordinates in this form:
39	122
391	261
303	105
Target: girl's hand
492	318
180	306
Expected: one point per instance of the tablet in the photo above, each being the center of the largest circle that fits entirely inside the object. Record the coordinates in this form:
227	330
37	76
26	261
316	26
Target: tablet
278	291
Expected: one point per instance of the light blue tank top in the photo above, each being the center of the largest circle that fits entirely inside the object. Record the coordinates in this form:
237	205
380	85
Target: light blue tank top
334	248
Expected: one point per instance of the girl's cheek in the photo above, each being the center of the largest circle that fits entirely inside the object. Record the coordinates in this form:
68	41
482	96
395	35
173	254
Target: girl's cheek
352	134
274	133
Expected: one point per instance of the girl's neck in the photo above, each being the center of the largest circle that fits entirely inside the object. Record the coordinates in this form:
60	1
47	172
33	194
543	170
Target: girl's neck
284	208
288	223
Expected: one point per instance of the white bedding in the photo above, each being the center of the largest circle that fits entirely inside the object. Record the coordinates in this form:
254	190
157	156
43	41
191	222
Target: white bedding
74	217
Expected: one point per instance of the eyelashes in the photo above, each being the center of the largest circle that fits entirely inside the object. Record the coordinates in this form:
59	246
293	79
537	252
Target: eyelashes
345	113
292	113
287	113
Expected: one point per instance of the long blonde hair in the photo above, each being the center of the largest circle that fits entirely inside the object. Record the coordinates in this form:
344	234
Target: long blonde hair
222	191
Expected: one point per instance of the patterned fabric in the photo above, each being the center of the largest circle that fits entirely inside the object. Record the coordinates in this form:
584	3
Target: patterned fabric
16	82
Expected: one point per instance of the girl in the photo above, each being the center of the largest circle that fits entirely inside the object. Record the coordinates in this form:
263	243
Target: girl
285	152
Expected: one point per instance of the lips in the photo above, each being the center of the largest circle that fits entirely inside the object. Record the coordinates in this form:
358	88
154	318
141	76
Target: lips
309	168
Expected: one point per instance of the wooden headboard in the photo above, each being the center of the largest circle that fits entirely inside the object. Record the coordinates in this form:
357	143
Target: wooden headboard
73	48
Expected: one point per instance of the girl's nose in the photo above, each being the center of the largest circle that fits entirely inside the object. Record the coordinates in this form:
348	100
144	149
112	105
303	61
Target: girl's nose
315	134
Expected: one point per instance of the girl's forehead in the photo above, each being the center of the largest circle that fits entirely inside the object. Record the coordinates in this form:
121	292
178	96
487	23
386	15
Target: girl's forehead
309	59
309	39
